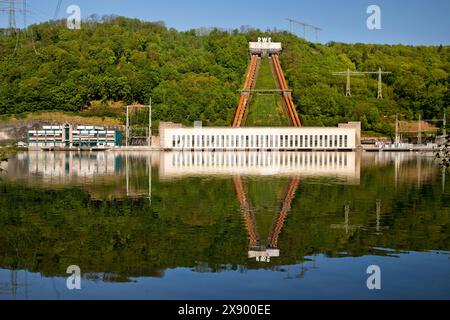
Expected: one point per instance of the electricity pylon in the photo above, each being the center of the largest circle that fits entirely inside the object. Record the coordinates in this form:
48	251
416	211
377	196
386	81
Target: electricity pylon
305	27
13	8
58	7
349	74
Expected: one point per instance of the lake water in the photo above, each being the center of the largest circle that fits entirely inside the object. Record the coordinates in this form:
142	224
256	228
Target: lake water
224	226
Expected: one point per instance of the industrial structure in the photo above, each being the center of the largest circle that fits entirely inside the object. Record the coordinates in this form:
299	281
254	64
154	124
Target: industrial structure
138	134
305	27
66	136
349	74
240	137
257	250
253	139
265	48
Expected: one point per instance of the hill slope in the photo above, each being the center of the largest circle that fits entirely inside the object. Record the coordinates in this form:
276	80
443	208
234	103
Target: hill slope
193	77
266	109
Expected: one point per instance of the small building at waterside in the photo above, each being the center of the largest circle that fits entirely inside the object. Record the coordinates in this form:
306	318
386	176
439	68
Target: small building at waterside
68	136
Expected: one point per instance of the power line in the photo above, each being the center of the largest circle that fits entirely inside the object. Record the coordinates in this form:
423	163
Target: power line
9	6
349	74
305	27
58	7
13	8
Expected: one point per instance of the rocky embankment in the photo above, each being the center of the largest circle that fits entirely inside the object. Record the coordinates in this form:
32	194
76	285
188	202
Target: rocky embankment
16	131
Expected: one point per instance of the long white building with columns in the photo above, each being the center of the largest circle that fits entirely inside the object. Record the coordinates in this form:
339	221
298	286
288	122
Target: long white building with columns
176	137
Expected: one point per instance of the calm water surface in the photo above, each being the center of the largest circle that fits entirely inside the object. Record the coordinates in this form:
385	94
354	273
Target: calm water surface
224	225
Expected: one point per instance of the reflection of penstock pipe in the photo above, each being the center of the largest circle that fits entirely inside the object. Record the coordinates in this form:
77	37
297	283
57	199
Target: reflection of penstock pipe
250	222
283	213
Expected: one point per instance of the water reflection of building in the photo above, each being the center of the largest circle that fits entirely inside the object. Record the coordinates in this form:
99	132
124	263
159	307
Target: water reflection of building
124	171
343	165
63	165
67	167
408	166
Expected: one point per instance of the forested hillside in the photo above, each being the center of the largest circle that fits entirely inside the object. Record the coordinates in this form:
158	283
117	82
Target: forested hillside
197	77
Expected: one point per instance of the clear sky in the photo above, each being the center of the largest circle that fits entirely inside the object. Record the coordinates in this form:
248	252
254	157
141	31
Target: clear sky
416	22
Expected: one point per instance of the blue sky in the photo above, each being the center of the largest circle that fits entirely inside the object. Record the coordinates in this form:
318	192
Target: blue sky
416	22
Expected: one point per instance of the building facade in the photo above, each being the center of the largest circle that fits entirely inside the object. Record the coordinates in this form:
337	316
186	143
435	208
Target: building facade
253	139
67	136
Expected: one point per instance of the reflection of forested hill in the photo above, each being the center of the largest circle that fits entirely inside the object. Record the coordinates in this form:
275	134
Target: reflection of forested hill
195	220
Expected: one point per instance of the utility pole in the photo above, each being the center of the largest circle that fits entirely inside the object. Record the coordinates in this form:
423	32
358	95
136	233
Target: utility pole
419	139
127	130
445	123
397	137
150	123
348	90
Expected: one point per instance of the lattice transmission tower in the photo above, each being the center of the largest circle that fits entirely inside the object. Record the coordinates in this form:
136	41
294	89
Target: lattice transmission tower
14	8
349	74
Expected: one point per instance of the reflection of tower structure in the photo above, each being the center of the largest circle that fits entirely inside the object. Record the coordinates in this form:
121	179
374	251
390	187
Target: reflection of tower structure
419	172
379	228
397	169
346	226
134	188
378	215
444	174
256	250
14	283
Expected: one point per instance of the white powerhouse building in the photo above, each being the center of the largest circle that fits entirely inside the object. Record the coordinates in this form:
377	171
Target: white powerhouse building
344	137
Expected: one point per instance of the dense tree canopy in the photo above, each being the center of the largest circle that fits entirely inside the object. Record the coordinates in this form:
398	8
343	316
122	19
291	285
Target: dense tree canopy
196	76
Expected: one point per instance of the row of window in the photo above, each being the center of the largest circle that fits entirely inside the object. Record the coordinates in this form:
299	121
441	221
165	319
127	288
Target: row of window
259	141
75	143
290	159
40	135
